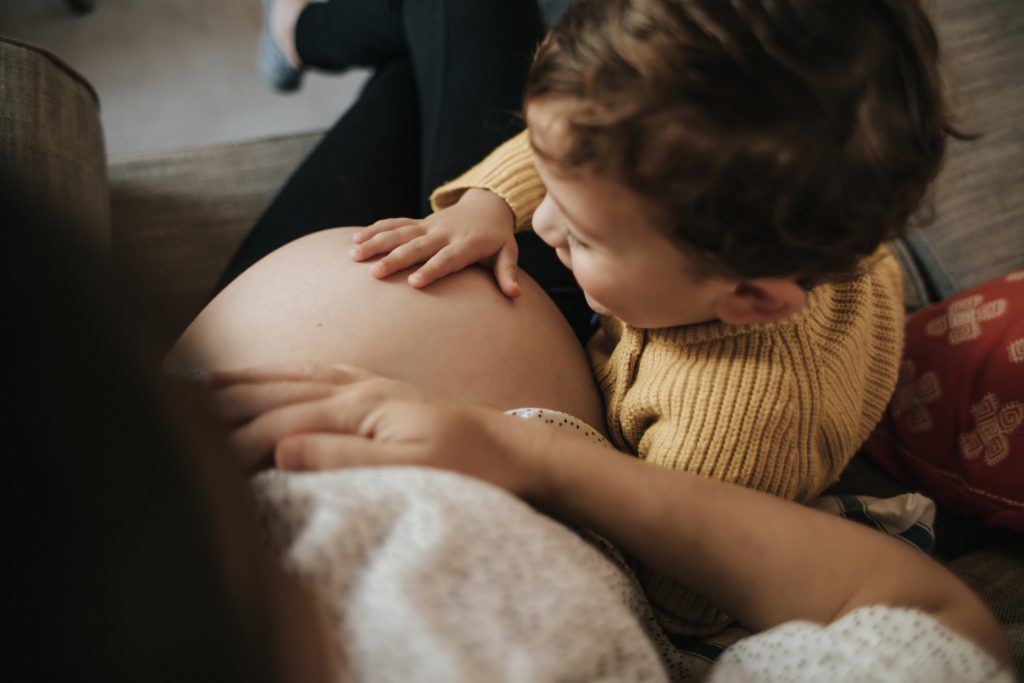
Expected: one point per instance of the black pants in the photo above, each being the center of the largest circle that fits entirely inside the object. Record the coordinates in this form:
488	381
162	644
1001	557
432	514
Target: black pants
447	89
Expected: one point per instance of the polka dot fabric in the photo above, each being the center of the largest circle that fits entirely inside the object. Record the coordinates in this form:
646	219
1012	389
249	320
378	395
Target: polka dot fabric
562	420
871	644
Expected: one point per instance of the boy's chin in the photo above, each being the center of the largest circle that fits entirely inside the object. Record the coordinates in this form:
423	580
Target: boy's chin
601	309
597	307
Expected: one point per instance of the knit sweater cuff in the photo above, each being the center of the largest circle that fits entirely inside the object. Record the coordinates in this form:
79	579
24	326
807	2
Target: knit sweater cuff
508	172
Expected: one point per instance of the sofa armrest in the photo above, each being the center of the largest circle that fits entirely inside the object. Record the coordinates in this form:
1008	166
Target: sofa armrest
178	216
51	142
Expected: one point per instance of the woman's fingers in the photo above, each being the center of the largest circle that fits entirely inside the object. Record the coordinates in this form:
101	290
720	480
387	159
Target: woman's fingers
387	241
269	404
333	451
288	372
237	403
242	395
342	413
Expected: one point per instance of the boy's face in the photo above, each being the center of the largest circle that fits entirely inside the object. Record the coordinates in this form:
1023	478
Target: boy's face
602	231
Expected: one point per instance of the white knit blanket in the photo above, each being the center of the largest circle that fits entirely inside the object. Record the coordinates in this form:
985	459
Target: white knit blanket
431	576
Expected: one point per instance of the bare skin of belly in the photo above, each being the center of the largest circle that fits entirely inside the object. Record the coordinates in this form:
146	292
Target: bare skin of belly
308	302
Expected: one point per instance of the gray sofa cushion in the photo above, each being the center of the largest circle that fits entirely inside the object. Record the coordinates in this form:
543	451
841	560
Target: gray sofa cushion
179	215
51	141
978	228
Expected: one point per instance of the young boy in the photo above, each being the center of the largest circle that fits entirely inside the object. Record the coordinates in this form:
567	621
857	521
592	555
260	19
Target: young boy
720	178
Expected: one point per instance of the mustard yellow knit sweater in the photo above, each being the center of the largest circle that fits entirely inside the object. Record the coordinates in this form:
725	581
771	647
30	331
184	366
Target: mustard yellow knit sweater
778	407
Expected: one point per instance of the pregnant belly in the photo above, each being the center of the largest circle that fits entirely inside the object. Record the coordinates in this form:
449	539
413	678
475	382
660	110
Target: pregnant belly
309	302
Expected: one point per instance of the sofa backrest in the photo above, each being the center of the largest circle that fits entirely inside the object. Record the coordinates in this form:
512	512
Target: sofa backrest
978	200
51	140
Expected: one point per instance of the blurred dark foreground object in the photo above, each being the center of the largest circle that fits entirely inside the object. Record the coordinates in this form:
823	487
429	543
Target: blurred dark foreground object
136	556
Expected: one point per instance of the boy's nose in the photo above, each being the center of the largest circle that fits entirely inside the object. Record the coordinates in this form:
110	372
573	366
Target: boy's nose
545	224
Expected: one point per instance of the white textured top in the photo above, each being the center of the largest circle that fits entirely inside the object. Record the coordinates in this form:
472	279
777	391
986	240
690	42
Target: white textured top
878	643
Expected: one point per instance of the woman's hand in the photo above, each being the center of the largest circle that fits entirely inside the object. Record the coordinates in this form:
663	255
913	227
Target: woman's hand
326	417
479	228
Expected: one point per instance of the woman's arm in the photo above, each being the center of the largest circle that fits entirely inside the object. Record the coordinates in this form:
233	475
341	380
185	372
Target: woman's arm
766	561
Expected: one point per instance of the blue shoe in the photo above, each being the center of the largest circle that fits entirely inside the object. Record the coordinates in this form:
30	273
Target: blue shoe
274	67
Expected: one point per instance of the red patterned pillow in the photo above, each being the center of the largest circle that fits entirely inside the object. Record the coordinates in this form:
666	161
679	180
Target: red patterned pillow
955	426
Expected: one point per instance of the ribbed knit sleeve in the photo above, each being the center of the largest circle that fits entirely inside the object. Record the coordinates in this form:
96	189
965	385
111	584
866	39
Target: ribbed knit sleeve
508	172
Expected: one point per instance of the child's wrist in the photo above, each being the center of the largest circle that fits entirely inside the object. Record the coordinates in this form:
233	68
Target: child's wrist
490	202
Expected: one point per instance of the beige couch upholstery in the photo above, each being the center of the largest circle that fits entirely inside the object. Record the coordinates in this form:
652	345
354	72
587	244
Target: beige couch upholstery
177	217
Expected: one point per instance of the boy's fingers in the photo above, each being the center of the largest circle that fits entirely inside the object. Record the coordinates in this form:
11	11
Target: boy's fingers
335	451
408	254
386	242
380	226
506	272
444	262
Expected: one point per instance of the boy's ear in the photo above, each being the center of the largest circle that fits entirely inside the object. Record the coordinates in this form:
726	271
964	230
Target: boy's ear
765	300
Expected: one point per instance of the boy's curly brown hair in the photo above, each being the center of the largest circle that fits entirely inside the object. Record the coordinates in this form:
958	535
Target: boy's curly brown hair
771	137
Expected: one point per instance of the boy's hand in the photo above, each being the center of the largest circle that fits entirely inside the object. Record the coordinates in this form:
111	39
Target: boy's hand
479	228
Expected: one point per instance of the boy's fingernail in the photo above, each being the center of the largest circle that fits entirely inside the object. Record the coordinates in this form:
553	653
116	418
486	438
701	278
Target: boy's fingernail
415	279
354	253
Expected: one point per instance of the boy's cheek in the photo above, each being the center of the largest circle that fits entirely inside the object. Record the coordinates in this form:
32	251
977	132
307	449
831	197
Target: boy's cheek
598	297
